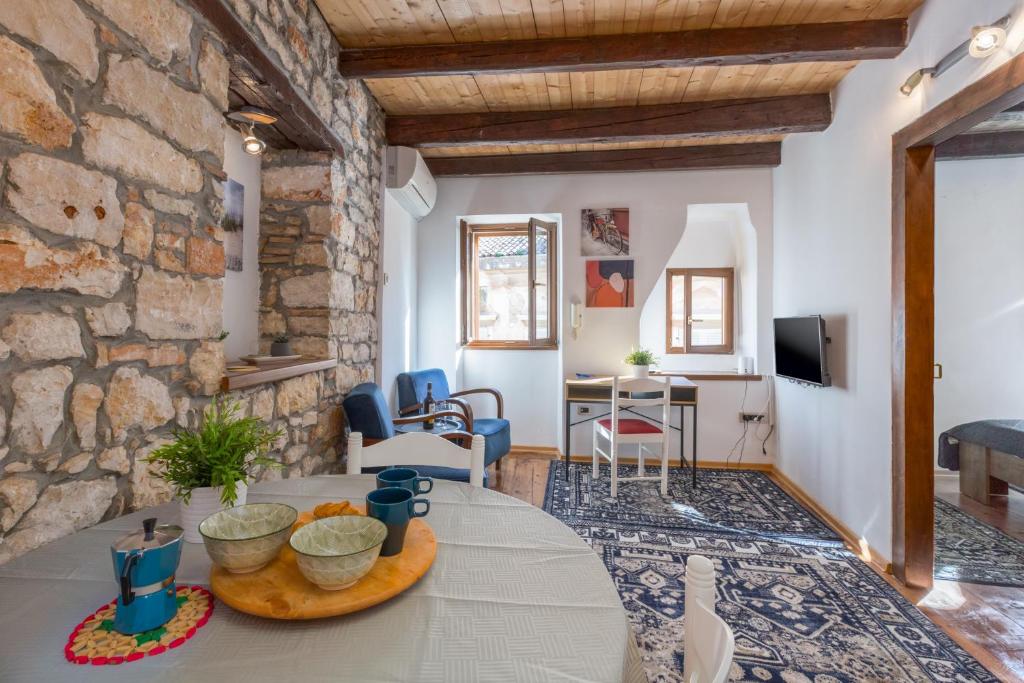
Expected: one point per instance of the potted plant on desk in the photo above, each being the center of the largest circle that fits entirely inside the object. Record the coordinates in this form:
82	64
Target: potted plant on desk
210	467
640	362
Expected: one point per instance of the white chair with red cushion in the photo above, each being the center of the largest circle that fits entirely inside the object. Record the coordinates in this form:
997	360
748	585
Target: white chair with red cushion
617	430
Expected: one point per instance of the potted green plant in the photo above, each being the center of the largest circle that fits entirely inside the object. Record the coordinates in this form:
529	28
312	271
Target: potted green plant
640	362
281	346
210	466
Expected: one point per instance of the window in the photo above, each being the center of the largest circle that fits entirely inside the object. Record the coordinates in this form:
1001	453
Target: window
699	315
509	285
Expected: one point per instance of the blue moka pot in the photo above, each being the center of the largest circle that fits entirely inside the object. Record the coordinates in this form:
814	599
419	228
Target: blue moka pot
144	563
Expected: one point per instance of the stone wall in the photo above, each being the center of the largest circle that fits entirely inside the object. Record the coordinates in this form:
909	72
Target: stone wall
112	261
319	267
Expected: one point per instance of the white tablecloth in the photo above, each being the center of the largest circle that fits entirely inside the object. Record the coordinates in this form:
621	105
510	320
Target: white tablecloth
514	595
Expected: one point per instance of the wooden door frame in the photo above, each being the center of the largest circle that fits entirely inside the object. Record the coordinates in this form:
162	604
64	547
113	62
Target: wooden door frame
913	309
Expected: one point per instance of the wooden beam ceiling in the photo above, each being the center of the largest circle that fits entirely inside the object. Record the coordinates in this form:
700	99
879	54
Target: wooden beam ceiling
761	154
834	42
982	146
763	116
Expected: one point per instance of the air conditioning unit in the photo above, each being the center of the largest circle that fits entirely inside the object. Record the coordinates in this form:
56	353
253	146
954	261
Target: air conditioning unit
410	181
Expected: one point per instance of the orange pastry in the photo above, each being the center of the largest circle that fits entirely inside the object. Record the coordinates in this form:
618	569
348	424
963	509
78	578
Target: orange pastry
334	510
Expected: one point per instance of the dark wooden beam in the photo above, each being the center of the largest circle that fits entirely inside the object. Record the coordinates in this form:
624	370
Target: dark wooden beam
758	154
764	116
835	42
254	67
982	146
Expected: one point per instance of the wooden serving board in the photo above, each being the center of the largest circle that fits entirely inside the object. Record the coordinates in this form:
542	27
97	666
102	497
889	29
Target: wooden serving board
280	591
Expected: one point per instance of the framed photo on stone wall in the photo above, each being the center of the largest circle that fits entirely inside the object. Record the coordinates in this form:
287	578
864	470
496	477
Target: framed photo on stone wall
604	232
233	224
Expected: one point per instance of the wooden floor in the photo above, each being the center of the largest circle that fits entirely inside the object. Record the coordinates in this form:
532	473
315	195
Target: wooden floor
987	621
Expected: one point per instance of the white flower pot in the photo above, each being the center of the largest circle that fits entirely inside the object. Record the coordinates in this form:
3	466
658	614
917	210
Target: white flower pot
640	370
205	501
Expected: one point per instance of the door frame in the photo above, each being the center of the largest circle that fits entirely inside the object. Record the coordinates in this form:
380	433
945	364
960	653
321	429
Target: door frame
913	309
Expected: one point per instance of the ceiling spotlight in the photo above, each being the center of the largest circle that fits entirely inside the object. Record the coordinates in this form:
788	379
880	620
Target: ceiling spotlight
985	40
249	117
252	144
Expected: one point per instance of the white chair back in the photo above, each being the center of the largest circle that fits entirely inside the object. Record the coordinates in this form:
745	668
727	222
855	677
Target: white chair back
417	448
641	385
647	387
709	643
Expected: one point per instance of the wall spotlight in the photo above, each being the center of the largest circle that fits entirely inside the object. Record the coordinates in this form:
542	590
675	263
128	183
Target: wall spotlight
252	144
915	80
985	40
250	116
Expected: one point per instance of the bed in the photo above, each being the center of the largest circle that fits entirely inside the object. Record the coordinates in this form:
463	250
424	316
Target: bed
989	455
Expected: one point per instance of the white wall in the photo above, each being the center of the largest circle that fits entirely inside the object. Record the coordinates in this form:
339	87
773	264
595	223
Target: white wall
833	256
658	213
242	290
398	334
979	290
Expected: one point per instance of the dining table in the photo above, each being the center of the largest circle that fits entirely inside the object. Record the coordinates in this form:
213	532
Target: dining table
513	595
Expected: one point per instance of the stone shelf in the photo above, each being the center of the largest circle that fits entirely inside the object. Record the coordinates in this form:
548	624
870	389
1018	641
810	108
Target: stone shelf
275	372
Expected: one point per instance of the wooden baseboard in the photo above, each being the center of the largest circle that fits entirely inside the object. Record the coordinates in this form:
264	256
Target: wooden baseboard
856	545
535	451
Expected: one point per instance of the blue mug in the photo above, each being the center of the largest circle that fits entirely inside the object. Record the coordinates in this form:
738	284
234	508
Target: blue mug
404	478
395	507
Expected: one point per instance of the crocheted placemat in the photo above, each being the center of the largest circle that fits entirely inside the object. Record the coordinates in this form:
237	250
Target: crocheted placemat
95	641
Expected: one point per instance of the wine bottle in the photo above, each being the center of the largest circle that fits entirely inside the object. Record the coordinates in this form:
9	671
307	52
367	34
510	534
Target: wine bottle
428	407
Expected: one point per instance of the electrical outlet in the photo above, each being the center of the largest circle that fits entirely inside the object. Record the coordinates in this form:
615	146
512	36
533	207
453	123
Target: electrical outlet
753	417
583	410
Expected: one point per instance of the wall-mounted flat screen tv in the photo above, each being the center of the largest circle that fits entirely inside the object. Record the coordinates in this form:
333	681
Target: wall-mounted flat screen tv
800	350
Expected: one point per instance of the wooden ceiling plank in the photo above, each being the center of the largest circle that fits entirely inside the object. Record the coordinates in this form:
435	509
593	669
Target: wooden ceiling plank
766	154
559	90
519	21
763	12
833	42
731	13
549	16
764	116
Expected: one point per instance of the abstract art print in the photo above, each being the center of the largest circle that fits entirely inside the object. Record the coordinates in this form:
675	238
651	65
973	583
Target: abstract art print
610	283
233	224
604	232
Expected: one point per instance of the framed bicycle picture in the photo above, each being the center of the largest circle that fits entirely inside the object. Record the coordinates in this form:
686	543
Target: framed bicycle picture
604	232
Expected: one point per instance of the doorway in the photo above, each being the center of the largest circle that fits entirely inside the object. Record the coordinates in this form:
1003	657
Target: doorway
915	150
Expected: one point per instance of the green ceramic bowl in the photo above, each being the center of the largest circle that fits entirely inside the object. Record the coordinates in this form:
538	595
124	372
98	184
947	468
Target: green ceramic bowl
246	538
335	552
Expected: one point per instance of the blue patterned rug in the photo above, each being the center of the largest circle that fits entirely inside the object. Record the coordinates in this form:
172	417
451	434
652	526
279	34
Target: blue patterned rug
968	550
802	607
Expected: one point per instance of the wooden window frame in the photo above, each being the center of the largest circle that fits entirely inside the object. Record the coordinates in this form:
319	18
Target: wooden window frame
729	275
469	236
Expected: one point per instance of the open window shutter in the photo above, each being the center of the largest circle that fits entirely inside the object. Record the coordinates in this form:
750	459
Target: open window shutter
465	274
543	282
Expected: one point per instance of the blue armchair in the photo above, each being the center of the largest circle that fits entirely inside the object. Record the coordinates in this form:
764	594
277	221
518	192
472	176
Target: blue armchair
412	390
367	412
